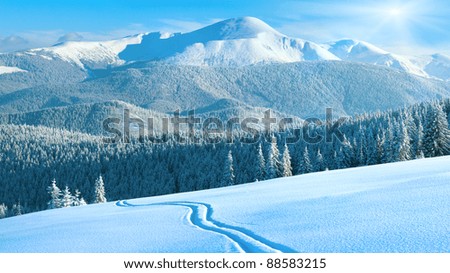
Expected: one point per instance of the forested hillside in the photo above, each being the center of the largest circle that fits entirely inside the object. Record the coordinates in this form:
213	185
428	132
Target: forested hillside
301	89
33	156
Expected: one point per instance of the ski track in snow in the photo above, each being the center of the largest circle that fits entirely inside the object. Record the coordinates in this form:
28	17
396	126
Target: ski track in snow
200	216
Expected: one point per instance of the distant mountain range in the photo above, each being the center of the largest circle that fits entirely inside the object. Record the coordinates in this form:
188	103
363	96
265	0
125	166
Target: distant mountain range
241	62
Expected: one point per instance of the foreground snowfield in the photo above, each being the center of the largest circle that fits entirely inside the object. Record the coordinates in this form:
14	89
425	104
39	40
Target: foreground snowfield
400	207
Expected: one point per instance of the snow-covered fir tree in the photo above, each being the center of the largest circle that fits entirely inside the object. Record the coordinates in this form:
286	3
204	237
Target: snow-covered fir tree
286	162
17	209
388	142
436	139
318	162
260	164
67	199
372	148
100	194
404	152
273	163
418	148
3	211
304	162
78	200
228	172
55	196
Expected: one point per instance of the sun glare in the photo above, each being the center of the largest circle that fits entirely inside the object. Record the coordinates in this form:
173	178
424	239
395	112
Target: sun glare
395	12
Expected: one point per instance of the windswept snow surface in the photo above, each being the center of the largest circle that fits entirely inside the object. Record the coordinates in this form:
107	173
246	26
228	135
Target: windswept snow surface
399	207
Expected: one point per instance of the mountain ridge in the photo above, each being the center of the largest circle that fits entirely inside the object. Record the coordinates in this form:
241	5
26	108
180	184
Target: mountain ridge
232	42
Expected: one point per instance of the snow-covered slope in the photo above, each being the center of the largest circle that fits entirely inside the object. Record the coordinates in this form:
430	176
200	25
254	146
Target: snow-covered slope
438	65
88	54
9	70
400	207
360	51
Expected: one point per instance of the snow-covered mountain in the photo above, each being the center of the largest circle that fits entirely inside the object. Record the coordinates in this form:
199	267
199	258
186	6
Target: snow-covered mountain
438	66
233	42
360	51
399	207
240	59
241	41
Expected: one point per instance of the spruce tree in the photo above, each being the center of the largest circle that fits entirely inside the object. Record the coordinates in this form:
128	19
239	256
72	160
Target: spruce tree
67	199
55	196
318	162
419	141
78	200
436	140
17	209
99	191
228	172
404	152
380	148
388	154
3	211
260	164
286	161
413	133
273	163
340	159
304	162
372	148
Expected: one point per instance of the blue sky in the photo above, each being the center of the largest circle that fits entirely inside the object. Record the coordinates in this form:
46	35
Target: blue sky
398	25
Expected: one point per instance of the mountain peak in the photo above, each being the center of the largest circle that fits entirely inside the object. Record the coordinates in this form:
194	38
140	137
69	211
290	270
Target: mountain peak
232	42
237	28
344	47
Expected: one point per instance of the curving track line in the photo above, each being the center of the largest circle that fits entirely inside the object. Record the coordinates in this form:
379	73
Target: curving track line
200	216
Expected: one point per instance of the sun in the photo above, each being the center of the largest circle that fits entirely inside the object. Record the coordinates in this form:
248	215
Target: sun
394	12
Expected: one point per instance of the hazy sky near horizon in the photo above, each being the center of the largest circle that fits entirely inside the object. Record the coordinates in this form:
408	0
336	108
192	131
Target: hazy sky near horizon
414	26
